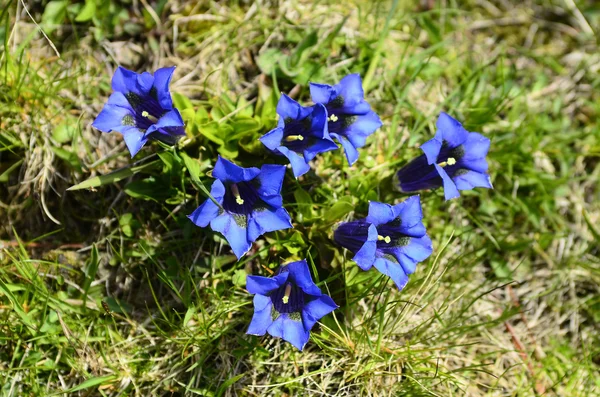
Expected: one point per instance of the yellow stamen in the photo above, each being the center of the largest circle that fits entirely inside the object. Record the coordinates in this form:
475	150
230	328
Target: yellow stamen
236	194
288	291
333	118
387	239
450	161
293	138
149	116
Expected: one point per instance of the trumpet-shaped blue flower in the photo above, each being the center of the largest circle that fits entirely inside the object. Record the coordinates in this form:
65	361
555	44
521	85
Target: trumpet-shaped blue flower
300	135
350	118
454	159
287	305
248	204
141	108
392	238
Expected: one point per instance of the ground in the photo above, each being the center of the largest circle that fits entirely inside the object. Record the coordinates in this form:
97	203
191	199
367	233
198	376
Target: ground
110	290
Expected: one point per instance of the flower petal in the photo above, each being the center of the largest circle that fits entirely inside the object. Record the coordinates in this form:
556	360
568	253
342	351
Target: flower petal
233	227
411	215
272	139
288	108
380	213
300	273
432	148
266	220
350	88
299	164
393	270
417	250
289	330
226	171
315	310
112	115
124	81
472	179
365	257
321	93
362	127
169	124
208	210
162	79
134	139
263	285
451	130
262	319
476	146
270	181
349	149
450	190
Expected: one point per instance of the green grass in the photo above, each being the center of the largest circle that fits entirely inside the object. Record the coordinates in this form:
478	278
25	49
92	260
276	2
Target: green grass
508	304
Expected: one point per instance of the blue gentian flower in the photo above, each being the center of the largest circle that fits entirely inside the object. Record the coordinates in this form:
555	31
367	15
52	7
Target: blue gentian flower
248	204
350	118
141	108
454	159
287	305
300	135
392	238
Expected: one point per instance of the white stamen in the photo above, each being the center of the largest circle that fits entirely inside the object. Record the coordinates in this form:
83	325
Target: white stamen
236	194
333	118
288	291
387	239
293	138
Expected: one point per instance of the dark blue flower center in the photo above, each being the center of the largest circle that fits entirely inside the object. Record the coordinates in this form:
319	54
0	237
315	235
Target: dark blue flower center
390	235
241	198
146	107
297	134
418	175
289	298
352	235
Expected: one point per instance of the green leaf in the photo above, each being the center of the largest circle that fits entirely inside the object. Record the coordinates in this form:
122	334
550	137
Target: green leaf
87	12
149	189
91	270
17	307
304	202
228	383
342	207
6	174
64	133
300	53
181	102
239	278
54	14
113	177
92	382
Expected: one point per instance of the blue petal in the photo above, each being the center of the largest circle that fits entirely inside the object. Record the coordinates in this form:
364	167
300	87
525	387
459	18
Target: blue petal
315	310
288	108
318	125
362	127
170	123
393	270
266	220
299	164
349	149
322	93
320	146
235	234
432	148
125	81
208	210
451	130
262	319
472	179
380	213
271	179
289	330
411	215
145	81
226	171
134	139
111	116
365	257
162	79
476	146
417	250
350	88
272	139
477	165
450	190
300	273
263	285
